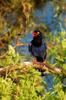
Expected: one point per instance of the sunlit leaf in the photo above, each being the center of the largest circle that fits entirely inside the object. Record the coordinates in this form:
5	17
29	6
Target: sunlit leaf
64	43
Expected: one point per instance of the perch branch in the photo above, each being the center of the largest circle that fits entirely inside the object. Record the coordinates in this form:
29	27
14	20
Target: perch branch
43	67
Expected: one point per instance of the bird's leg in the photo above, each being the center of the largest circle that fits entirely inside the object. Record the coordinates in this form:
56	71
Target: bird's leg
36	62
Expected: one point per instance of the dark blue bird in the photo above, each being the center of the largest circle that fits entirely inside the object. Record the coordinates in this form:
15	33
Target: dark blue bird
37	46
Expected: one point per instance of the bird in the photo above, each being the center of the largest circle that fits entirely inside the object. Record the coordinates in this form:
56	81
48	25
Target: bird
37	46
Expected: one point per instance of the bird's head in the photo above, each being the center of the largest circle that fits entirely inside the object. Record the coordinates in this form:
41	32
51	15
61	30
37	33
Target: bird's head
36	33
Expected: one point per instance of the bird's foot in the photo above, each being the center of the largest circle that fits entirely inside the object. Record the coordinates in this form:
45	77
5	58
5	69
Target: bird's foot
36	62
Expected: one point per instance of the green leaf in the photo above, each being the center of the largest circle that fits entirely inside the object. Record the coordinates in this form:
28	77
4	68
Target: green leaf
64	43
59	58
64	66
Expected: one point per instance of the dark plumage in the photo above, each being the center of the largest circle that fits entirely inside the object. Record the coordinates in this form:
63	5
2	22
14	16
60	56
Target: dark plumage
37	46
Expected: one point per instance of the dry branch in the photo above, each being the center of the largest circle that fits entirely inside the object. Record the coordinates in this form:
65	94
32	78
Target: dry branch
43	67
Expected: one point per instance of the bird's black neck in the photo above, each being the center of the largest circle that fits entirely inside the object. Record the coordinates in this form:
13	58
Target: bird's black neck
36	43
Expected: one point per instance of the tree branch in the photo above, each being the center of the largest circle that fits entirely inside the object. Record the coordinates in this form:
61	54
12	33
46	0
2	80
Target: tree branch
42	67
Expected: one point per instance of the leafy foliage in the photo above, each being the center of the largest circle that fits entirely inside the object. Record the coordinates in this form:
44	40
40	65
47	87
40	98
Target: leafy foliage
21	86
58	52
6	88
11	58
